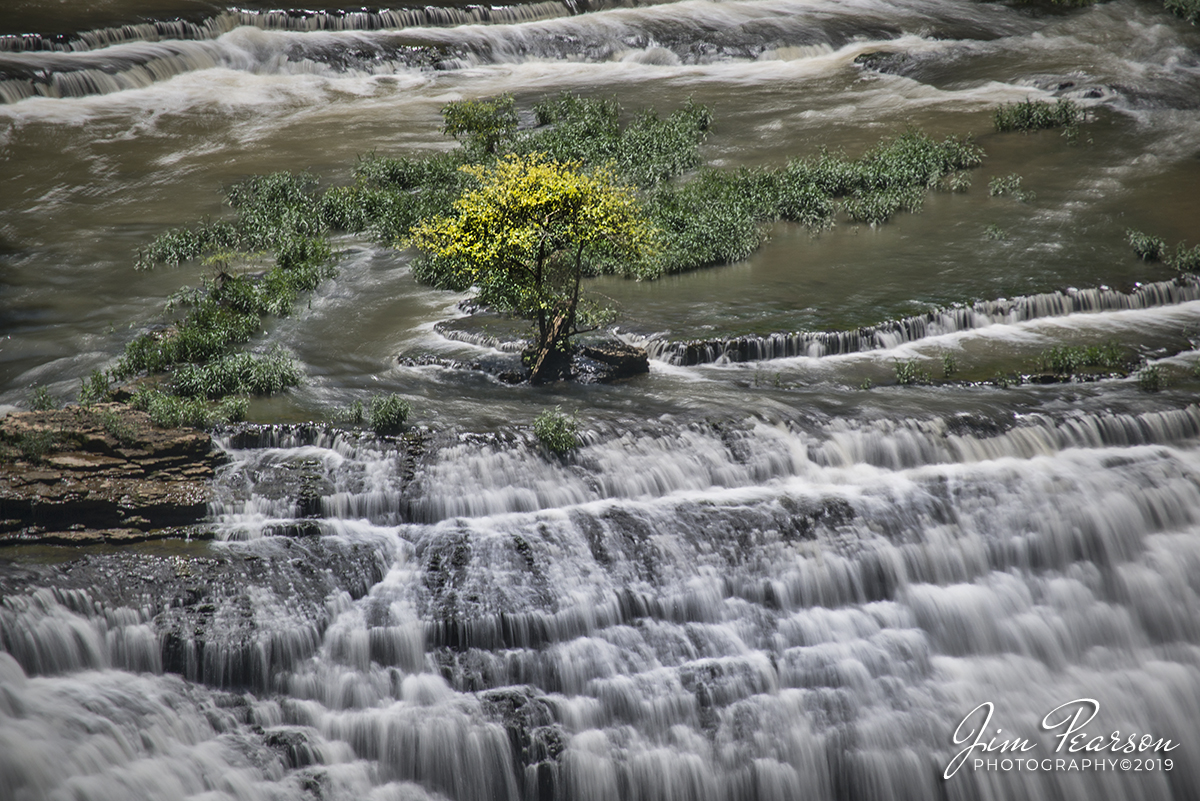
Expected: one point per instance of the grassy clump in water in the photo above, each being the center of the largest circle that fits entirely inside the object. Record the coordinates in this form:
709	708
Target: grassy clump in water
278	219
171	411
237	374
1070	359
557	431
1147	248
1036	115
388	413
717	217
385	414
909	373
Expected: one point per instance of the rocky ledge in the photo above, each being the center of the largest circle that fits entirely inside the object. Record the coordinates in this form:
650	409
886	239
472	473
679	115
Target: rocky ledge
100	474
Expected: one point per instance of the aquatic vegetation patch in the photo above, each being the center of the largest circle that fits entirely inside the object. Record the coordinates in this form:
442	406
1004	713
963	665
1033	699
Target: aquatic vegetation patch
276	244
558	431
1147	248
1009	185
171	411
1151	379
237	374
388	413
909	373
1155	248
1185	9
1036	115
1070	359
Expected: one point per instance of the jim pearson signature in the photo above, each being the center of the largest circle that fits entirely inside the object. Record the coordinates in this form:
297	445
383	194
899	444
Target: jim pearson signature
1066	719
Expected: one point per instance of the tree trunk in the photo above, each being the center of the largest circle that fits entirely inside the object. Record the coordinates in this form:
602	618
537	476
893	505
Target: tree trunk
546	363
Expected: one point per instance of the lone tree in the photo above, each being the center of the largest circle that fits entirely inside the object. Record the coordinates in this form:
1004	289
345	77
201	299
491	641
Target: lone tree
527	235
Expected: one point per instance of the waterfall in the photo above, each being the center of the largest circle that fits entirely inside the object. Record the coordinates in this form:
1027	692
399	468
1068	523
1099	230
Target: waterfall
892	333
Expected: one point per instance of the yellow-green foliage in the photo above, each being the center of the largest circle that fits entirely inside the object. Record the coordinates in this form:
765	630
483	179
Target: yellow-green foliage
528	232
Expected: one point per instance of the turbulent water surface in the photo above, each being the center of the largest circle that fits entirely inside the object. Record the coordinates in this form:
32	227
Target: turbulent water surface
770	572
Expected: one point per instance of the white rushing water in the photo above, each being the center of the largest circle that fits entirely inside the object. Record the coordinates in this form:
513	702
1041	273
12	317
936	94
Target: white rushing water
750	612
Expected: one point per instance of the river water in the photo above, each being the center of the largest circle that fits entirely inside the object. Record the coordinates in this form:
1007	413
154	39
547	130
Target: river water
757	578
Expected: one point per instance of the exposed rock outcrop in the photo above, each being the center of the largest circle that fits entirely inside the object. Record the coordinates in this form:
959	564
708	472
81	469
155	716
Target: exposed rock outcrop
104	473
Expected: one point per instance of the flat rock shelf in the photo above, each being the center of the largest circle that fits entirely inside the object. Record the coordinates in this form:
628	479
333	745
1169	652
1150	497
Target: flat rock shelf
101	474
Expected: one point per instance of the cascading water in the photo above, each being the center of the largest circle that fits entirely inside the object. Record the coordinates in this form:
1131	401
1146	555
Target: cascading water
752	581
757	611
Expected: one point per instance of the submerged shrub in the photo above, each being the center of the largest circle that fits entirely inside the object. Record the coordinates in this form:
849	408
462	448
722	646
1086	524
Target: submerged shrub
557	431
949	365
995	233
649	150
877	207
482	124
388	413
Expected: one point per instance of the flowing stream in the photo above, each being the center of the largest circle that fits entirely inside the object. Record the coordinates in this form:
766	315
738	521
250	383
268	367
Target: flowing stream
770	571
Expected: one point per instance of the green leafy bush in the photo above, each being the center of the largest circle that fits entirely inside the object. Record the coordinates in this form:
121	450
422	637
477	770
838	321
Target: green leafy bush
388	414
949	365
95	388
117	427
40	400
35	446
1147	248
353	415
557	431
1185	260
482	124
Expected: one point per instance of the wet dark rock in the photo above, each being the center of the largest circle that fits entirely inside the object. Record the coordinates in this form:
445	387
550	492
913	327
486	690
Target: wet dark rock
537	741
104	473
609	361
428	360
209	629
294	745
885	62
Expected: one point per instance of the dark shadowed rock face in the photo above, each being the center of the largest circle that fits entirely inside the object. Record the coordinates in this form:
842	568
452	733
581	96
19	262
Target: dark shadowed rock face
104	473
